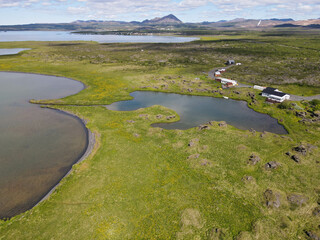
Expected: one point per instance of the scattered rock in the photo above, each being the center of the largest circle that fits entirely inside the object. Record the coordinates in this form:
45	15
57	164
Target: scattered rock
297	199
247	179
130	121
159	116
272	165
136	135
316	212
272	199
288	154
170	117
190	90
222	124
203	127
252	130
301	149
254	159
144	116
312	235
236	92
301	114
205	162
194	156
193	142
295	158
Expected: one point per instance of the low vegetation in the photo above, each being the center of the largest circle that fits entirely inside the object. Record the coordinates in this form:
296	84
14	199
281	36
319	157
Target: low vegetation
150	183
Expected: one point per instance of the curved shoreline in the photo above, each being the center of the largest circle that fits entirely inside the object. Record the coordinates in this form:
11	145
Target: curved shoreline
91	142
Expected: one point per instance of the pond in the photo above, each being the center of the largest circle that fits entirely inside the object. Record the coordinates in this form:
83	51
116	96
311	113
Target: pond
38	146
11	51
11	36
197	110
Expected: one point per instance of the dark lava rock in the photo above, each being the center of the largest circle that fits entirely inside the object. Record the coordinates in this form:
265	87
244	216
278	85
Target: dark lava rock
312	235
316	212
297	199
170	117
295	158
203	127
215	233
254	159
159	116
301	114
222	124
288	154
272	165
236	92
272	199
301	149
252	130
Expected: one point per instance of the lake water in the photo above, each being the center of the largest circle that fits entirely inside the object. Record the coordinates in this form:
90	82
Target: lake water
11	51
197	110
11	36
37	145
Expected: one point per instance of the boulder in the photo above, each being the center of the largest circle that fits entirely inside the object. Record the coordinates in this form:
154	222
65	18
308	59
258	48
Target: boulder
205	162
247	179
159	116
170	117
272	199
254	159
312	235
222	124
301	149
203	127
297	199
295	158
288	154
272	165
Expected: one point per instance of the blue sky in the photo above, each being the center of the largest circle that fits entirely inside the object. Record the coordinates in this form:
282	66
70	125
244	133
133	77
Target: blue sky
58	11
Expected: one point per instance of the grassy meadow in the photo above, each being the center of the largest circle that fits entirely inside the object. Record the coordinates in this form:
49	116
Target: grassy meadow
142	182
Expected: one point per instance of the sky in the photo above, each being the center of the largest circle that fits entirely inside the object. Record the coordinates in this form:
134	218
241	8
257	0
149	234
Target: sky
63	11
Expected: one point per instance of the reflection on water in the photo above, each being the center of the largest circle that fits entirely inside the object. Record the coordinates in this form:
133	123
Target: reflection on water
37	146
196	110
11	51
11	36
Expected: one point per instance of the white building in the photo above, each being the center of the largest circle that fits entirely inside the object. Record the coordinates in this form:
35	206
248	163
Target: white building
274	95
227	82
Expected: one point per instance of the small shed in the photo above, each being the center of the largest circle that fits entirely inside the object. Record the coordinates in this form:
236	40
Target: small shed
217	74
230	62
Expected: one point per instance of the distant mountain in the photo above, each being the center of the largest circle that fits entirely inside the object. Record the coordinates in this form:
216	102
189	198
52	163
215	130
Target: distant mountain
170	19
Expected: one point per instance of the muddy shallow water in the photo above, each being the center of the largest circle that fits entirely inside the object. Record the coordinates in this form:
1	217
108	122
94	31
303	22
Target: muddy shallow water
37	145
196	110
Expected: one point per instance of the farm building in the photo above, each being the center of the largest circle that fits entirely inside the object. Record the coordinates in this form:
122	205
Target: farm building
217	74
230	62
259	87
274	95
227	82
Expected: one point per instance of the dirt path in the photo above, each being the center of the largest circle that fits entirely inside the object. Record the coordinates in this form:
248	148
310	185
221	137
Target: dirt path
300	98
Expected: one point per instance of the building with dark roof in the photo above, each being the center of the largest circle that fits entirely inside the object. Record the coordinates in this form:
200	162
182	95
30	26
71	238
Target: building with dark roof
274	95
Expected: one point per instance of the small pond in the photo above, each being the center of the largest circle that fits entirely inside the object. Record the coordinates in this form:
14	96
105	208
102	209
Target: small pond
197	110
11	51
38	146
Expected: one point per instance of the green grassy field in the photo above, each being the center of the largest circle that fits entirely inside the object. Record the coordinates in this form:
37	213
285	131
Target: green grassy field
142	182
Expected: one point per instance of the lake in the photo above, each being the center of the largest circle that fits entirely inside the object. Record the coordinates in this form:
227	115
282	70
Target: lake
11	36
38	146
197	110
11	51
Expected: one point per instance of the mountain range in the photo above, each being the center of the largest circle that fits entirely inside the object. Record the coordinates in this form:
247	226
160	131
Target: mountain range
167	22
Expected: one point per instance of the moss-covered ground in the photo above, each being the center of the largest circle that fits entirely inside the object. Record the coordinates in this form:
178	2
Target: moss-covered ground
147	183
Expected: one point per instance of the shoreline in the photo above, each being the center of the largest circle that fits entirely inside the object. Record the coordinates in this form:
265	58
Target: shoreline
91	142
